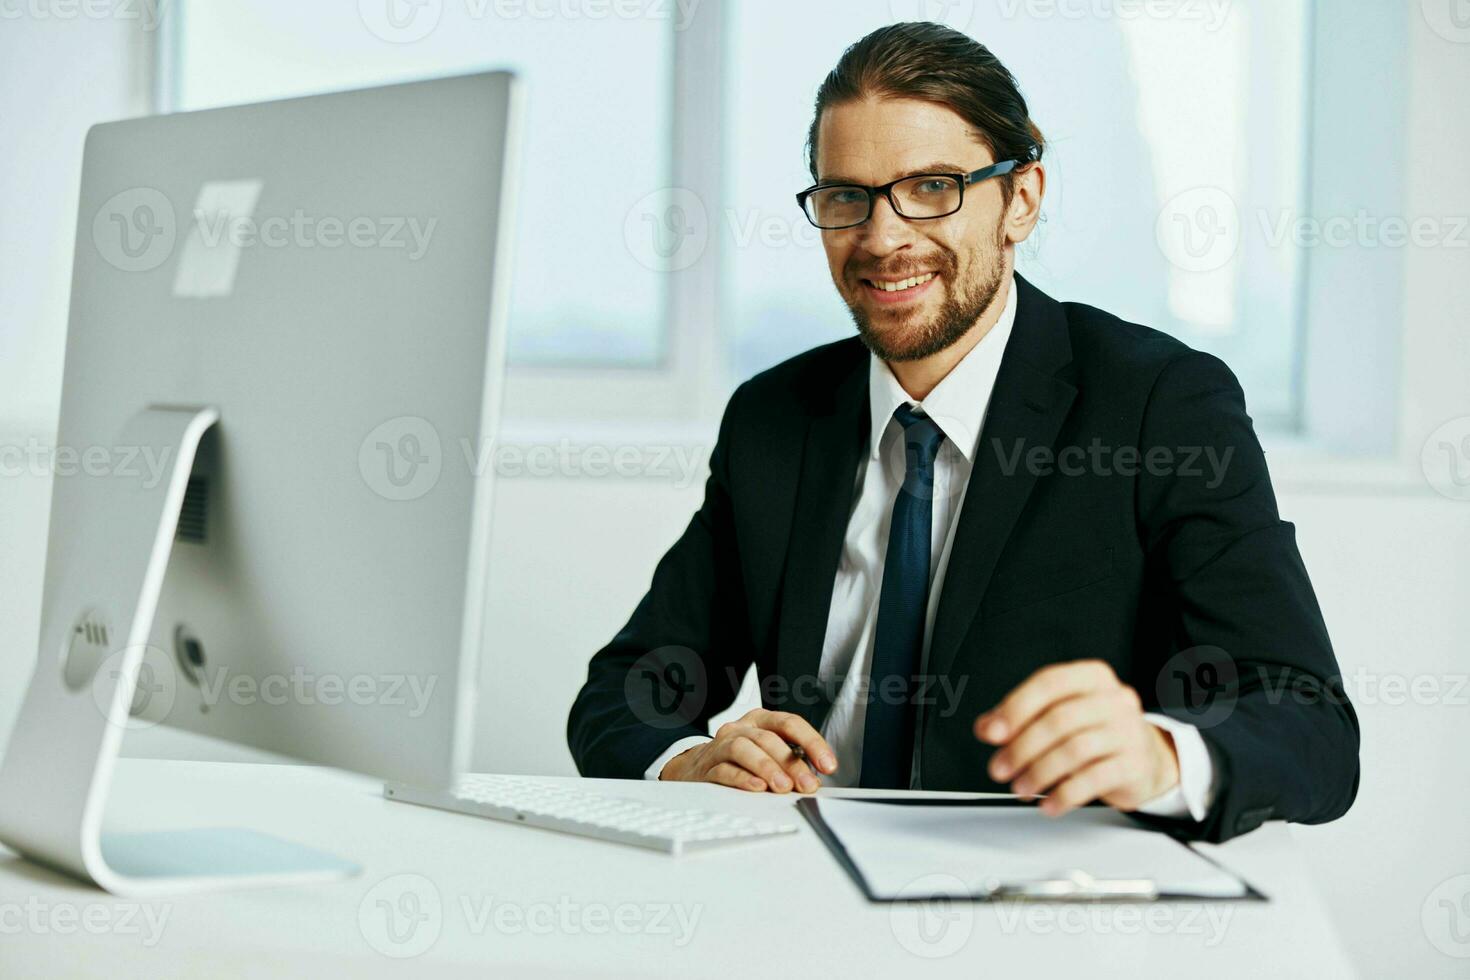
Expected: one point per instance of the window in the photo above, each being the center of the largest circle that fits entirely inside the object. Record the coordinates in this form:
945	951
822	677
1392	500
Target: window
1187	143
580	296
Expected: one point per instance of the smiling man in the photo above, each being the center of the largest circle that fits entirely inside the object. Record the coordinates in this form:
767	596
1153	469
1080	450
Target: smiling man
975	547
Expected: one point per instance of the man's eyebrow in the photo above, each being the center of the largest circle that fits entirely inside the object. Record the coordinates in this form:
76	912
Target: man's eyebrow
940	167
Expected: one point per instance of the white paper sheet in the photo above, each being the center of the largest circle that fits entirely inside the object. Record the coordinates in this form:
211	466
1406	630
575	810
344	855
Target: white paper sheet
908	849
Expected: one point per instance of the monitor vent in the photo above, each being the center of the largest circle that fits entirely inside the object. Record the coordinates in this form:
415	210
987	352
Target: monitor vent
93	631
194	513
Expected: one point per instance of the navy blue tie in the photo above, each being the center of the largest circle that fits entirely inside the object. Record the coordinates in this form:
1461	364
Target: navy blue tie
888	732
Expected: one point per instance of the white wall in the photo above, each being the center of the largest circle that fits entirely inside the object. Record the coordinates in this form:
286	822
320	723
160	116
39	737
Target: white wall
1390	560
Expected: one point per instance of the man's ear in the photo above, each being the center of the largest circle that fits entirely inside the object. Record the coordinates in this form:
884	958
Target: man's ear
1028	185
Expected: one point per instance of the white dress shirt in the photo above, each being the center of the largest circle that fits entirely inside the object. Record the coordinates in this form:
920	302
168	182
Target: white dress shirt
957	405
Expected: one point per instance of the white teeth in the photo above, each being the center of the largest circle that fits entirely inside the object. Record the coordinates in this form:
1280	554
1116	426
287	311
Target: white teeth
909	283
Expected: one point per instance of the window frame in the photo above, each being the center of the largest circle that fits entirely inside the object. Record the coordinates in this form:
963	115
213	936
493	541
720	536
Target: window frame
687	386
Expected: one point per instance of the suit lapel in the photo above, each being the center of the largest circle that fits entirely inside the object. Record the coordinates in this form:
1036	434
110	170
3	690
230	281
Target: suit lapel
836	437
1026	410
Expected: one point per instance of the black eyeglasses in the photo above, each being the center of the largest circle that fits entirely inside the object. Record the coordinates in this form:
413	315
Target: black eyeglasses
919	196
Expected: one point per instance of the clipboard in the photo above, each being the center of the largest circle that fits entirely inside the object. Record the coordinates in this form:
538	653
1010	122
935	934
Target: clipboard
1070	885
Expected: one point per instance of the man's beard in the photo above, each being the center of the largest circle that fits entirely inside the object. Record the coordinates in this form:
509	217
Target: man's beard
905	341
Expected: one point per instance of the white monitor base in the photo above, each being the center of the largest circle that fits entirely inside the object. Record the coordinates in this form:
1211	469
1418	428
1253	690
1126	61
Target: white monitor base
108	549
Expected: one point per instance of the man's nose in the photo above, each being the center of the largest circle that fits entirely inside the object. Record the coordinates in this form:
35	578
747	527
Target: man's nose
886	231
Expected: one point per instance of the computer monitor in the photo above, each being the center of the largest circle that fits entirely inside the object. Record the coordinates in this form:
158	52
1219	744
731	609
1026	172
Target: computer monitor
283	358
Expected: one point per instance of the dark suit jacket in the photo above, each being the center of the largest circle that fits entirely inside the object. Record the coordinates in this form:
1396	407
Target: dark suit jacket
1176	571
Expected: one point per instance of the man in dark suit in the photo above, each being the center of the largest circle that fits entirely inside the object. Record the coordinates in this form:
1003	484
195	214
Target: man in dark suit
993	542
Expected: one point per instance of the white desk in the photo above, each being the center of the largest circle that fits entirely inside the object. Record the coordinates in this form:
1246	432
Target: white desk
576	907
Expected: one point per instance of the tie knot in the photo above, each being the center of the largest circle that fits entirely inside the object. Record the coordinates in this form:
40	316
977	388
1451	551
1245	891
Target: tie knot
920	432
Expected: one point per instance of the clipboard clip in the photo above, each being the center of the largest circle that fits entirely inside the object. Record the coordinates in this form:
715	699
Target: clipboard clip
1075	885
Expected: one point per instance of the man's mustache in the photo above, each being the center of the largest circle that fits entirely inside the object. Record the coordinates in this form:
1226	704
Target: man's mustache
941	264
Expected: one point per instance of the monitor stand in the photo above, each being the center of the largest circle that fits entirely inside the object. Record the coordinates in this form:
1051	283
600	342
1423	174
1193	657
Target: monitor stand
109	546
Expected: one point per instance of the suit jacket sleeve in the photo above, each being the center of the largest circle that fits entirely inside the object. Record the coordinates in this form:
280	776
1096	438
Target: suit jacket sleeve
1267	692
681	657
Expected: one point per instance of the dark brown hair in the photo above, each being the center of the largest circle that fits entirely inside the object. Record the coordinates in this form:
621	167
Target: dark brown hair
934	63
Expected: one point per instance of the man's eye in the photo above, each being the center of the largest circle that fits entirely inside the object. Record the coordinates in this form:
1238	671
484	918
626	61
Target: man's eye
935	186
847	196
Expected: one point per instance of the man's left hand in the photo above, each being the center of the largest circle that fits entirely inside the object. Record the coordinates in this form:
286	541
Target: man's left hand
1076	733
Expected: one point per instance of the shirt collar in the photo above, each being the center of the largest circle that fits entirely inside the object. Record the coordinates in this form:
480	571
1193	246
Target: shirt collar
958	403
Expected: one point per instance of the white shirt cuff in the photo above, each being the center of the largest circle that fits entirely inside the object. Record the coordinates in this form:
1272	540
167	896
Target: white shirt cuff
1191	799
689	742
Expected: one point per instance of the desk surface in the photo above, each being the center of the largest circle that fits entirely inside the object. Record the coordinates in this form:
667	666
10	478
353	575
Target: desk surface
450	895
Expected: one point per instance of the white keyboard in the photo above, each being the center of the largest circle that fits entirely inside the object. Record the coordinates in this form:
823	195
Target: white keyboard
554	806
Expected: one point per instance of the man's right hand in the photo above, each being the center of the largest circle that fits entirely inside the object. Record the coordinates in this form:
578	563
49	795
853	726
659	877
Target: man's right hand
755	753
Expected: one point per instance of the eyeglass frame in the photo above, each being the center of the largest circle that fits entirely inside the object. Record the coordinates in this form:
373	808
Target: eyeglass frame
964	180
